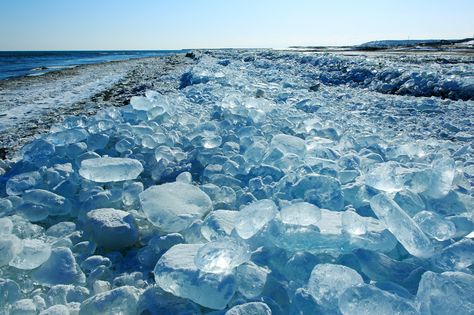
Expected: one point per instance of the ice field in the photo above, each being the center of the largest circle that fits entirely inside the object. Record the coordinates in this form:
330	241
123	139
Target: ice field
258	182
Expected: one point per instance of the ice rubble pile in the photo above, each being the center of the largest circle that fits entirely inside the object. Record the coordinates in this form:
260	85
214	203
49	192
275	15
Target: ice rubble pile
225	197
453	81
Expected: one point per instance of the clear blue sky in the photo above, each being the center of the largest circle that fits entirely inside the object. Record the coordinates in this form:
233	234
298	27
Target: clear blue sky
175	24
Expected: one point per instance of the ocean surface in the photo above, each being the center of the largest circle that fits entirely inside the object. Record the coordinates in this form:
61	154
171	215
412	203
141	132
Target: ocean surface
33	63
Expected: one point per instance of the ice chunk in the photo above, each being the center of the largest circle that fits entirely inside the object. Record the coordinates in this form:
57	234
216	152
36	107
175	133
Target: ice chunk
221	256
6	226
60	268
380	267
384	177
442	177
68	136
252	308
321	190
353	223
296	237
184	177
32	255
367	299
61	229
6	206
304	303
21	182
409	201
56	310
211	141
142	103
92	262
446	293
300	213
23	307
10	246
254	217
109	169
255	152
38	151
251	279
165	242
122	300
463	224
435	225
130	193
298	268
330	234
407	232
53	203
289	144
32	212
218	223
111	228
172	207
327	282
177	273
9	292
457	256
101	286
63	294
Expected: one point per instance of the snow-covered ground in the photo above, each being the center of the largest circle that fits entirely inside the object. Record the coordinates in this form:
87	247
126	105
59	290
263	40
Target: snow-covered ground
253	182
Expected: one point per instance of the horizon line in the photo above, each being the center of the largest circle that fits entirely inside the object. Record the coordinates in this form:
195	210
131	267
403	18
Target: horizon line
220	48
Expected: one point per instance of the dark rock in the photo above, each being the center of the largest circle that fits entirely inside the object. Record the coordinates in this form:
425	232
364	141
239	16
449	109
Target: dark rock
314	87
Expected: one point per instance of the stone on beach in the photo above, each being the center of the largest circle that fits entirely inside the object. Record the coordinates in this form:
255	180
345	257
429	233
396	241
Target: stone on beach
112	228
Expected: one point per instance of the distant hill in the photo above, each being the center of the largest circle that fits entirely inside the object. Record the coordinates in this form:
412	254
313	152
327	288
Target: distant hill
384	44
465	45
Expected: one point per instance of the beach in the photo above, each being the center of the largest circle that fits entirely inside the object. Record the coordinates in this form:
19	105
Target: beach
246	174
31	105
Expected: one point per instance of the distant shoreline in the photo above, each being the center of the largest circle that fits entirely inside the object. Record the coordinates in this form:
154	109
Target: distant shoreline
15	64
